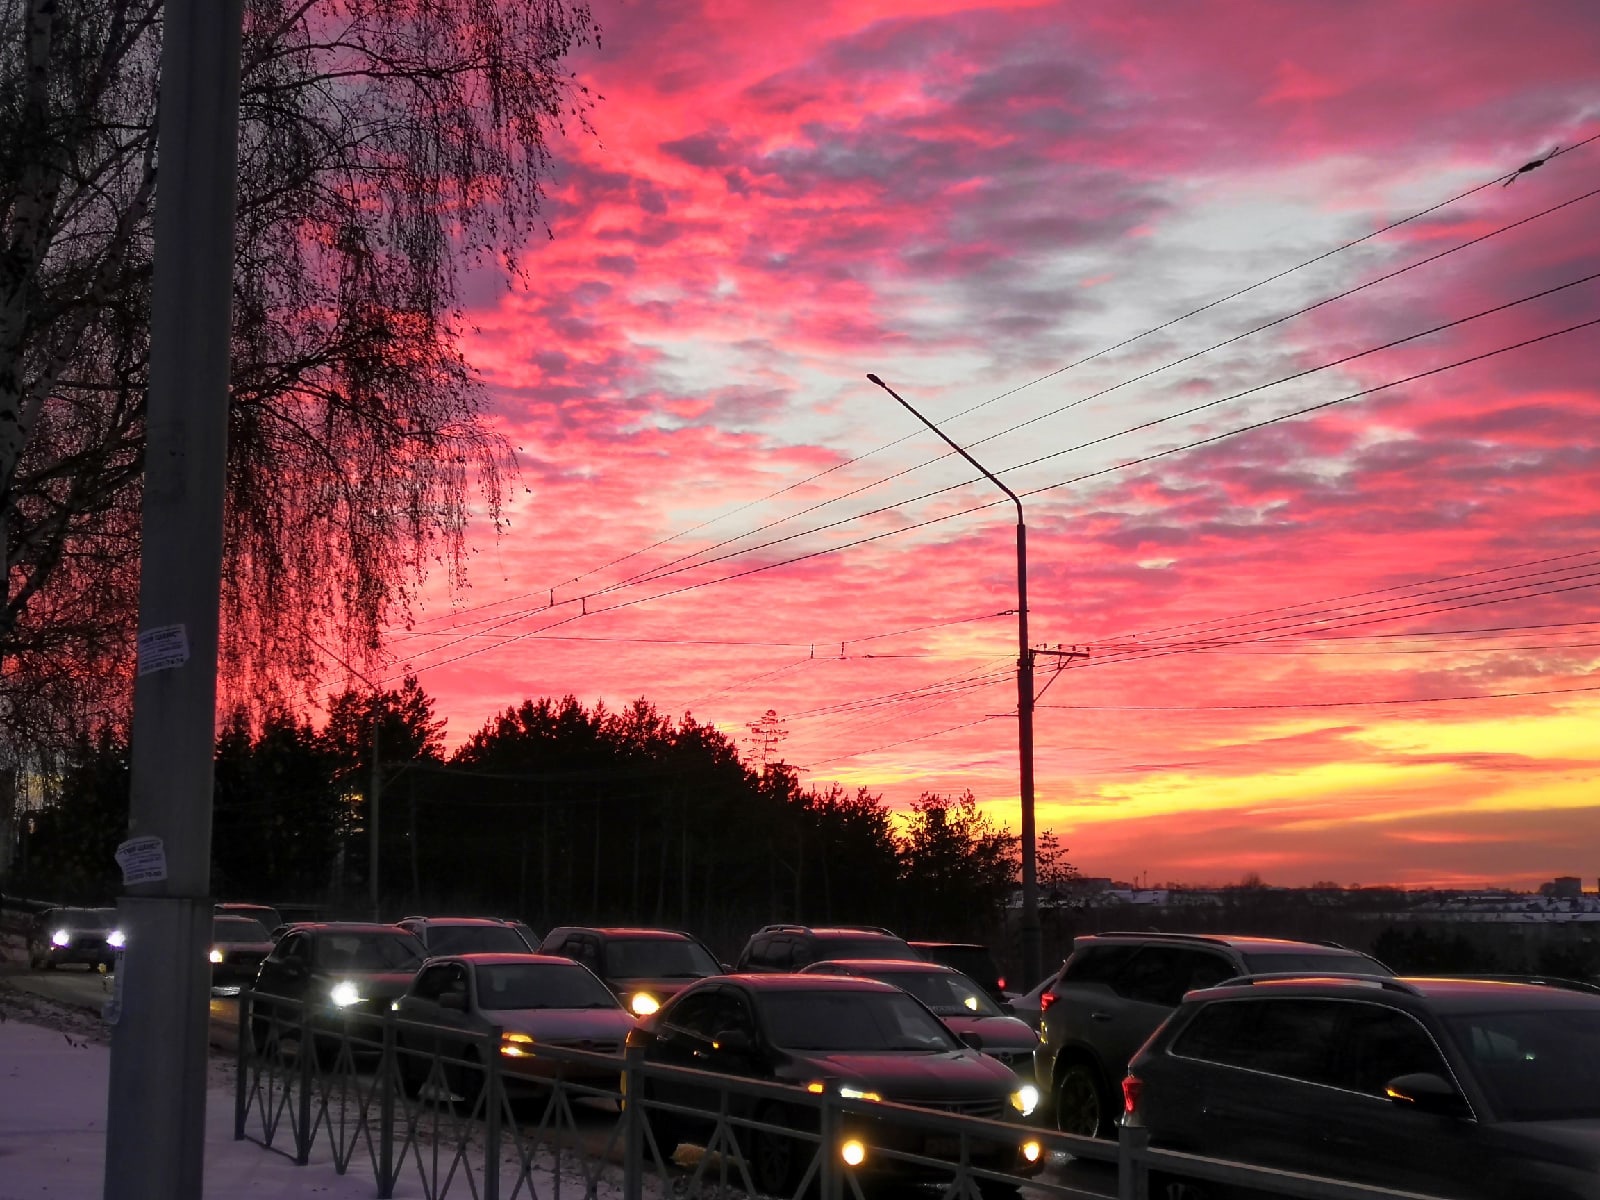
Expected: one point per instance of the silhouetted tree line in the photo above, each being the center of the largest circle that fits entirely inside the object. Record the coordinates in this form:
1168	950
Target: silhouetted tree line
552	812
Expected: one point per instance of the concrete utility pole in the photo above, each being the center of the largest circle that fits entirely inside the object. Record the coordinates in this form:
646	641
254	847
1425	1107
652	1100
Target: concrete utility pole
1032	950
155	1132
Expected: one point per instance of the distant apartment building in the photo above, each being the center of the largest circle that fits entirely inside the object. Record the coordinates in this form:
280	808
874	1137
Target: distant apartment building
1563	887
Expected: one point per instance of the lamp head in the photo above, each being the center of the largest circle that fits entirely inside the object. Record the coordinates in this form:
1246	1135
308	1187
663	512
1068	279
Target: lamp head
871	378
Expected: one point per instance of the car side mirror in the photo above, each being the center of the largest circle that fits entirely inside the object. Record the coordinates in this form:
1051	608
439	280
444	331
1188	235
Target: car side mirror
972	1041
1426	1092
453	1000
726	969
734	1041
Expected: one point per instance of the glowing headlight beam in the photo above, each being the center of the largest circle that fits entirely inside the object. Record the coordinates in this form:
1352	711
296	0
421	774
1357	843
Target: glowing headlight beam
643	1004
1025	1099
344	994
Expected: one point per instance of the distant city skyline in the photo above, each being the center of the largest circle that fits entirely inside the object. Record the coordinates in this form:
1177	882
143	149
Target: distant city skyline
1357	643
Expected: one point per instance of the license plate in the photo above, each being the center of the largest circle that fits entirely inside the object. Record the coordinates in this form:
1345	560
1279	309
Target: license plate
942	1147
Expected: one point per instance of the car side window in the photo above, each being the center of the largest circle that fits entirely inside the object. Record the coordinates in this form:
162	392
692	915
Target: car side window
1206	969
430	983
1377	1043
728	1013
697	1014
771	952
1292	1037
1155	975
587	951
295	948
800	954
1096	964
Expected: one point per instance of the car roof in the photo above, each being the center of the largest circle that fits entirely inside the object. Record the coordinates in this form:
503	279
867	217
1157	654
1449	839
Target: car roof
902	966
1441	994
460	921
948	945
801	982
507	958
628	931
1244	943
350	927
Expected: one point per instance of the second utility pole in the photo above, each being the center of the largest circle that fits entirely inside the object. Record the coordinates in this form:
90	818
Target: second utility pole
1031	949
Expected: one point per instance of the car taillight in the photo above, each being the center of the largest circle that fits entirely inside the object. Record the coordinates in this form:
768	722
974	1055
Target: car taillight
1045	1001
1000	983
1132	1086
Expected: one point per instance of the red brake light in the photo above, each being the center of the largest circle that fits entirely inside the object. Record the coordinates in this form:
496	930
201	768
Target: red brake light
1045	1001
1001	983
1132	1086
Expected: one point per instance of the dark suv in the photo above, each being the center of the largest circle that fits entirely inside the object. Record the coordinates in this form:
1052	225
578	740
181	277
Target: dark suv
641	966
1466	1088
774	948
1116	988
467	935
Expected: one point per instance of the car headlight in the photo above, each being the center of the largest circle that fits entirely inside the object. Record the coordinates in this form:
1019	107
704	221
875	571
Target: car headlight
1025	1099
643	1004
116	939
516	1045
215	955
60	938
344	994
851	1092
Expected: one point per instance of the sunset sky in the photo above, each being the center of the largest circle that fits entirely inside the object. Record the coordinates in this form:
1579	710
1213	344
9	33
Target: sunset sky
1360	644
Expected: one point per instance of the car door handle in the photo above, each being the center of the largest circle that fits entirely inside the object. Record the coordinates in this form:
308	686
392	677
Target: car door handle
1099	1016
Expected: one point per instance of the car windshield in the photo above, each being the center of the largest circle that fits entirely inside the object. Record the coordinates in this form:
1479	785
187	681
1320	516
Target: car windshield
1333	962
869	947
229	930
852	1020
948	993
368	952
1534	1065
83	918
658	958
475	939
541	985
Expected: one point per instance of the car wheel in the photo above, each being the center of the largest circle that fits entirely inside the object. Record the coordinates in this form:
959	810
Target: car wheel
1167	1187
412	1067
1081	1102
776	1162
467	1078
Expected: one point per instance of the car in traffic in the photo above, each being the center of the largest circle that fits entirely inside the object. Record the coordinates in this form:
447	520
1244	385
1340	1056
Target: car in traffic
1116	988
239	945
467	935
531	1001
1473	1089
269	916
341	975
82	936
957	1001
858	1039
973	960
779	948
642	966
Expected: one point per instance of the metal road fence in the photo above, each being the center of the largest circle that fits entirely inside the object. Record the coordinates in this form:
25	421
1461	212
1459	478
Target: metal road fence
447	1112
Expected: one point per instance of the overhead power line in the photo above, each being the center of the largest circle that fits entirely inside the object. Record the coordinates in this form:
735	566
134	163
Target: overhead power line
1221	300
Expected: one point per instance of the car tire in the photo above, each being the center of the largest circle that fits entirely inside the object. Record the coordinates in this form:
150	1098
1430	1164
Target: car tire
777	1163
1171	1187
1082	1101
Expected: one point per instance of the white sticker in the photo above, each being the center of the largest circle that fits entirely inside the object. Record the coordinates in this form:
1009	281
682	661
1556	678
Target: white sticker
162	648
143	860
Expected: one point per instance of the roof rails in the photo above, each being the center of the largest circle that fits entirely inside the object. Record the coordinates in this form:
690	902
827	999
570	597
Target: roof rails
1210	939
1387	982
788	927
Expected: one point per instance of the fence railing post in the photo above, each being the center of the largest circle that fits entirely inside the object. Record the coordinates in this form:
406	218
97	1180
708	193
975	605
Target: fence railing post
493	1101
241	1065
1133	1173
827	1148
633	1119
305	1061
388	1081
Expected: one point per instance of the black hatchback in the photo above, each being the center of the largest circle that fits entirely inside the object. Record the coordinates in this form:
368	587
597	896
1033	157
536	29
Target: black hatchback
642	967
1476	1090
855	1039
342	975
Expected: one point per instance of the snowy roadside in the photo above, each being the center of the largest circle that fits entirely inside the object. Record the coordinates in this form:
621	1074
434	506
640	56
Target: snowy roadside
54	1070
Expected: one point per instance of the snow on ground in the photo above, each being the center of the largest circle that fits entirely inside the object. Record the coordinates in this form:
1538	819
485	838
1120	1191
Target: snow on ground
54	1070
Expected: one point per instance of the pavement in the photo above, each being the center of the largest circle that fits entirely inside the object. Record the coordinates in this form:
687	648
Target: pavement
54	1070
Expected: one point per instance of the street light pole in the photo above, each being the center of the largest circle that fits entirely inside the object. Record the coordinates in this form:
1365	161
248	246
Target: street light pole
1031	950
